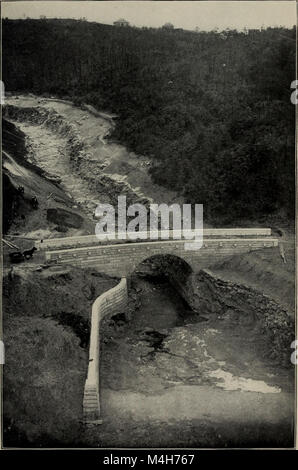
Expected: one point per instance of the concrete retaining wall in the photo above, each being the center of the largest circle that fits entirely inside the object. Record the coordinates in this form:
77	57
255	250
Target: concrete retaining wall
111	302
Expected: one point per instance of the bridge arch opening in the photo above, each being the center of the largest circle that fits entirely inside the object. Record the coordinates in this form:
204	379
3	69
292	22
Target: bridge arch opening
167	265
157	291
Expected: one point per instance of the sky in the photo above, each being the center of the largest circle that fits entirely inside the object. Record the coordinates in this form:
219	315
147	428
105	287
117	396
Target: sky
206	15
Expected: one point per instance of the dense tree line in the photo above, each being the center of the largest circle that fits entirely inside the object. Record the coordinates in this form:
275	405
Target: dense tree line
212	109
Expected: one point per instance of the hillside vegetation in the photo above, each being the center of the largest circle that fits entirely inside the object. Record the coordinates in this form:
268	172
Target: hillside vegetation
212	110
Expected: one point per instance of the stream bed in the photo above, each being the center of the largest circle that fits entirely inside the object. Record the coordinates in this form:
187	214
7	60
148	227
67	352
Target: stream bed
168	365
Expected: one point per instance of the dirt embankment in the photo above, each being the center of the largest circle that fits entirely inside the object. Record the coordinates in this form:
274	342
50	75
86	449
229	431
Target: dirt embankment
46	334
241	303
55	213
265	271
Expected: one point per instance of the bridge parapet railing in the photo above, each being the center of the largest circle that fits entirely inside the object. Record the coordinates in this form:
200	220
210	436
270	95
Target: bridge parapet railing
110	303
123	237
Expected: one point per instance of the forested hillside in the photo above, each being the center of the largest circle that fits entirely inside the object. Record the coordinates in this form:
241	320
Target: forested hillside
211	109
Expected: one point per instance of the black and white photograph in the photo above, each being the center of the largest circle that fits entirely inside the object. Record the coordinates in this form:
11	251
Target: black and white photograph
148	225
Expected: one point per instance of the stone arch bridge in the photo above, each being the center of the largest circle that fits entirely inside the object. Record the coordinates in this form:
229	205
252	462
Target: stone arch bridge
120	258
